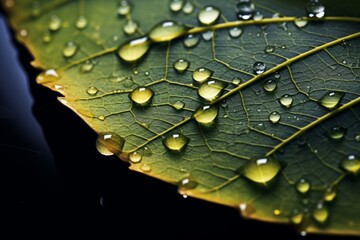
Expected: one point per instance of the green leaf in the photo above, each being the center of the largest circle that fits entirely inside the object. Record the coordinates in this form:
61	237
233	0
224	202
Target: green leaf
261	115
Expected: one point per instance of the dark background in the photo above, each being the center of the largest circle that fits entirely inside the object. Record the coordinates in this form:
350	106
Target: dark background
56	185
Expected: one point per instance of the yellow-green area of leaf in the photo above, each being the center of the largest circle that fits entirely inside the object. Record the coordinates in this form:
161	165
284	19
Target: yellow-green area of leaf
253	105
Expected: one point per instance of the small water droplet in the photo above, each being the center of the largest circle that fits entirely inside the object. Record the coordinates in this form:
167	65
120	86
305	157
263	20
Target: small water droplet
269	49
35	9
331	99
301	140
81	22
211	90
23	33
92	91
246	209
135	157
236	81
188	8
176	5
109	143
303	185
357	138
258	16
336	133
124	8
315	9
235	32
185	184
276	212
320	213
206	114
87	66
191	40
274	117
245	9
286	100
141	96
300	22
351	163
166	31
208	15
130	27
261	170
145	167
277	75
202	74
54	23
178	105
296	217
70	49
134	50
181	65
259	67
269	85
176	142
101	117
207	35
47	36
330	194
49	75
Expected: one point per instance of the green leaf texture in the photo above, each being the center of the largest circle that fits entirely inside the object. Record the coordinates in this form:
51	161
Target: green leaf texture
259	114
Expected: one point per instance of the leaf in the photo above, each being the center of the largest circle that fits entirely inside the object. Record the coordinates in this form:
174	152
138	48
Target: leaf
261	115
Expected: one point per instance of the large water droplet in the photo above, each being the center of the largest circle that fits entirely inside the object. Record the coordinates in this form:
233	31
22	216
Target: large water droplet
202	74
286	100
181	65
336	133
245	9
133	50
92	91
274	117
259	67
303	185
315	9
130	27
211	90
235	32
351	163
166	31
81	22
124	8
54	23
175	142
260	170
320	213
209	15
135	157
206	114
191	40
331	99
70	49
109	143
330	194
178	105
141	95
269	85
176	5
296	217
300	23
188	7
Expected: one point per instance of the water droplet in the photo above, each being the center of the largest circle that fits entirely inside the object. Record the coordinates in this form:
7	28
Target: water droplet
300	23
303	185
235	32
175	142
124	8
70	49
47	37
315	9
87	66
176	5
92	91
351	164
202	74
276	212
269	49
141	96
259	67
109	143
357	138
236	81
246	209
50	75
277	75
181	65
55	23
178	105
245	9
188	8
133	50
207	35
186	184
211	90
145	167
320	213
191	40
135	157
336	133
301	140
208	15
286	100
330	194
274	117
296	217
166	31
269	85
35	9
81	22
130	27
258	16
206	114
260	170
331	99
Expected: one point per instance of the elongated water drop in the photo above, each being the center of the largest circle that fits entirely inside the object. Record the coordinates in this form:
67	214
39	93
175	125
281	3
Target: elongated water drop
300	23
176	142
54	23
92	91
331	99
141	95
336	133
135	157
181	65
130	27
124	8
209	15
269	85
303	185
320	213
206	114
351	163
286	100
315	9
261	170
70	49
134	50
259	67
191	40
176	5
245	9
274	117
202	74
166	31
211	90
235	32
81	22
109	143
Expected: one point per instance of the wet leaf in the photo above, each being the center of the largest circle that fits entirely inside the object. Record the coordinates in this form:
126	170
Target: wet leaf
250	105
